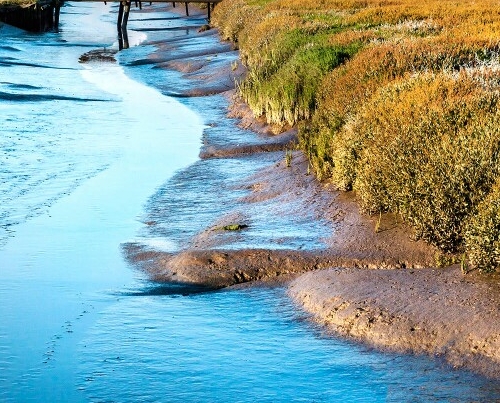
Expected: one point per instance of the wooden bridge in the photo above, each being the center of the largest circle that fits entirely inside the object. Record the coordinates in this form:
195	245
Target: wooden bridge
42	15
125	6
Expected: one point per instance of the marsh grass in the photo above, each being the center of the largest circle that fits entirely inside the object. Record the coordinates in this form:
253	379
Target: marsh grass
289	94
396	100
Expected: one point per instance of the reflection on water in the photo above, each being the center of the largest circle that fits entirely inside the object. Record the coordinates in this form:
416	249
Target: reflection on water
81	150
247	346
74	174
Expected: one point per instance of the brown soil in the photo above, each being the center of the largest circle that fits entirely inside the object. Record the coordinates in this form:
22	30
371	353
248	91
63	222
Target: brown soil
280	142
353	243
413	308
435	311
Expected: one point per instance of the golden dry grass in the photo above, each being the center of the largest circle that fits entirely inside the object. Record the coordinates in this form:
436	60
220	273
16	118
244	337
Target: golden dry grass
395	99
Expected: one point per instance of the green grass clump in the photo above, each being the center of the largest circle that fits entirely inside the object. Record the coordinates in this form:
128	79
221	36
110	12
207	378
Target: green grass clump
289	94
287	52
276	48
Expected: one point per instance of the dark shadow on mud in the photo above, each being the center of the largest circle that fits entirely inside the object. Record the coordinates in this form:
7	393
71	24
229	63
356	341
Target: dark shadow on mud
159	289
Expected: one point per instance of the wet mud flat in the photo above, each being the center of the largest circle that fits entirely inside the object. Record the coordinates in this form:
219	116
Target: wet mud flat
251	211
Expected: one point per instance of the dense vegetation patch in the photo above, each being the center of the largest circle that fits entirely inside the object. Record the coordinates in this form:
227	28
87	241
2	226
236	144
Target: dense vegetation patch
397	100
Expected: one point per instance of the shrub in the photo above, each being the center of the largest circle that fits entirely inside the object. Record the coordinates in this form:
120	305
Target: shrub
395	99
289	95
428	149
482	234
346	89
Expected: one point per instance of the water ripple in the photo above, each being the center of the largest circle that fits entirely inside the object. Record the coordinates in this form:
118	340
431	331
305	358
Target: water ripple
7	63
155	289
247	346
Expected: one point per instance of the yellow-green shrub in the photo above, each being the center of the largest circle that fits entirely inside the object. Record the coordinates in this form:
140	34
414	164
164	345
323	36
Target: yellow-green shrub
348	88
482	233
429	149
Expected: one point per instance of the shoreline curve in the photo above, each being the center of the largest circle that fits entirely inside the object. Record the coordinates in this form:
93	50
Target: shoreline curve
370	282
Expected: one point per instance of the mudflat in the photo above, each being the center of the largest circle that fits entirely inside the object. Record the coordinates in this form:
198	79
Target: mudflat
360	276
434	311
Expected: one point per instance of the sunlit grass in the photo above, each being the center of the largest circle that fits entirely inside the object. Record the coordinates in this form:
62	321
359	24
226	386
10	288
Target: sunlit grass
396	100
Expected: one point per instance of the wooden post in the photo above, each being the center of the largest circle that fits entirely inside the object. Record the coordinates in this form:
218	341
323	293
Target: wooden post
126	12
57	11
123	39
208	8
187	9
120	18
39	15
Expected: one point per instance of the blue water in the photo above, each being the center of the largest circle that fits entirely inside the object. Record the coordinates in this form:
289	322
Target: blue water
86	153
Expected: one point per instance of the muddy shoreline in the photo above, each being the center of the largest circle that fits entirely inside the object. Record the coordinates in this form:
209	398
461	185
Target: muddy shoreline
361	277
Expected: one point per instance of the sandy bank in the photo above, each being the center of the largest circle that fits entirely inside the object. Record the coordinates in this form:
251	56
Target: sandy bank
289	225
434	311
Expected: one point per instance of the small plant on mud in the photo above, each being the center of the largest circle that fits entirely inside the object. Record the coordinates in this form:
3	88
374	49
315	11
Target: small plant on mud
463	264
378	223
231	227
